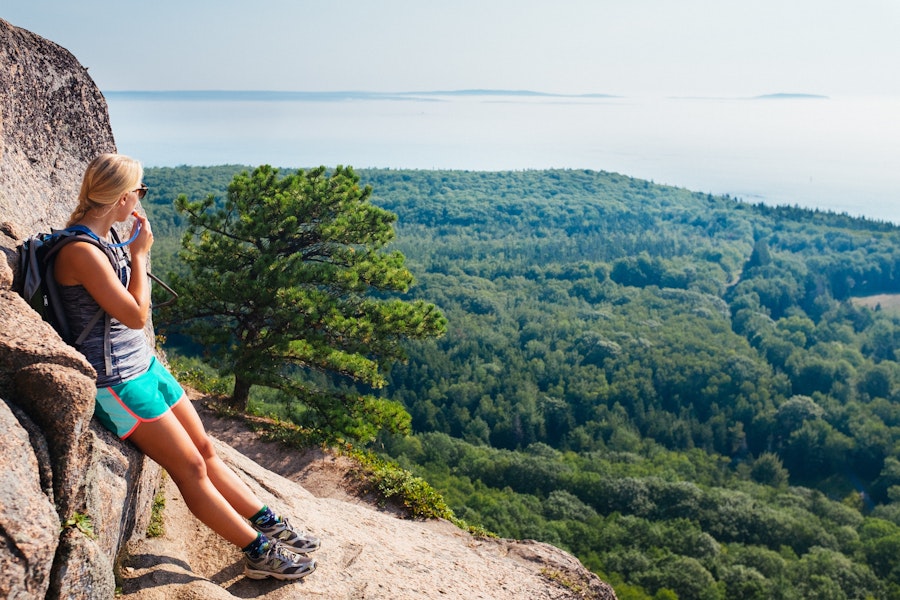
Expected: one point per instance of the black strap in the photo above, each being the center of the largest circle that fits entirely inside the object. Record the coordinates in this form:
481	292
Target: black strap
83	234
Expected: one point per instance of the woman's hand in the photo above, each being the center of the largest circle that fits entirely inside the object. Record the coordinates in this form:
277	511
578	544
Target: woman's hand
143	242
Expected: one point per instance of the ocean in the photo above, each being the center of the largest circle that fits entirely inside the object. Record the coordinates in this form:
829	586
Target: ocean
835	154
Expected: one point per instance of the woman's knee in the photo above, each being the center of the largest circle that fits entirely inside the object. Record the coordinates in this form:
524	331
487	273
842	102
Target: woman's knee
190	468
205	447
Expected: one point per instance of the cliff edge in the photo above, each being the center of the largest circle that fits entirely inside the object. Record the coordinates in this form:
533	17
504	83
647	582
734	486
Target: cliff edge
367	553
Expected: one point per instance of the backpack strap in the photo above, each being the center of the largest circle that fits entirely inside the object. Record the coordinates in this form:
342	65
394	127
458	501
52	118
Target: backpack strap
83	234
107	344
51	287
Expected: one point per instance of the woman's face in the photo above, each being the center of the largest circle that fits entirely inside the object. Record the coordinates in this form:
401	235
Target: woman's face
131	200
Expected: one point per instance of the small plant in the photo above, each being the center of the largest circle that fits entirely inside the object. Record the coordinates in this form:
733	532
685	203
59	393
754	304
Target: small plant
157	528
417	497
82	523
476	530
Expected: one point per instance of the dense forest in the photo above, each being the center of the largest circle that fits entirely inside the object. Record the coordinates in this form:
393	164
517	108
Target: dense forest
695	395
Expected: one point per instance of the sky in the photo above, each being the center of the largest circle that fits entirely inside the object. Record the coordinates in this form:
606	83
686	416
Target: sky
718	48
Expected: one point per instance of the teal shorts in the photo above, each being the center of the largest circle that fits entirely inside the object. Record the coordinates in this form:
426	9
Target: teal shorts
122	407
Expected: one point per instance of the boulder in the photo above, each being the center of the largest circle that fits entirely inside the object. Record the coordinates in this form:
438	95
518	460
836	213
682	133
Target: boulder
71	493
28	520
54	121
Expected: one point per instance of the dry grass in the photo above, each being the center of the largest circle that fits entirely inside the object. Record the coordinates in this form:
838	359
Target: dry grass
887	302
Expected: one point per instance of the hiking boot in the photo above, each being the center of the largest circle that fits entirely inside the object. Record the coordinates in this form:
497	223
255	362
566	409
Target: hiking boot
278	562
285	534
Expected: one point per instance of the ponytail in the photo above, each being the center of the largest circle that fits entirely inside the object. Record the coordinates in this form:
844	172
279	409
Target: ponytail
106	178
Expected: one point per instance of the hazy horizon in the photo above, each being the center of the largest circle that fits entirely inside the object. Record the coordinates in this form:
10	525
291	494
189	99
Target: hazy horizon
786	149
667	91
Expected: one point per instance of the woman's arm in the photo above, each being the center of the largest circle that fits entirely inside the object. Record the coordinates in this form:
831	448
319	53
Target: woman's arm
82	263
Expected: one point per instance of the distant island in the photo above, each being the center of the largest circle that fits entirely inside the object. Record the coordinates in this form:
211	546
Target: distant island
319	96
775	96
783	96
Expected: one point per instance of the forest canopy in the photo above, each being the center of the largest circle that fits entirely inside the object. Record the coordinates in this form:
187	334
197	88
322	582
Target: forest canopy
675	386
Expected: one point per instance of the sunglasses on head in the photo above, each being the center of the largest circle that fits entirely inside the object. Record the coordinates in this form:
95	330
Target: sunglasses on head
141	191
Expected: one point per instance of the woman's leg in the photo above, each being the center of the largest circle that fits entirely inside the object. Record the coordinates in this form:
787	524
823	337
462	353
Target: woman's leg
167	442
226	481
235	491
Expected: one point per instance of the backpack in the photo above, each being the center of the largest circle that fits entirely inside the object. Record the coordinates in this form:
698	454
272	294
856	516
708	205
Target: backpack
37	285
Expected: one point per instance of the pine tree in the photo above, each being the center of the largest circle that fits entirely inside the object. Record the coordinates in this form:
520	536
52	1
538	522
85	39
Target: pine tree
290	279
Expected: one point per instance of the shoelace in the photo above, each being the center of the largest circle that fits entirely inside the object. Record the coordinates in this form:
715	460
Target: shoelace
300	534
284	554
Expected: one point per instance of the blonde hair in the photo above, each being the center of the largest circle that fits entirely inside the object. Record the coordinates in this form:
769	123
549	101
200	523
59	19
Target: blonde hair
106	178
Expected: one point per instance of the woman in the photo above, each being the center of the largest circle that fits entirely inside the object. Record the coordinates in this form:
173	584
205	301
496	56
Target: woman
137	398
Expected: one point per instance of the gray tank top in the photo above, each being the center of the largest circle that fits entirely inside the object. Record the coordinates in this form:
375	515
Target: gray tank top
130	352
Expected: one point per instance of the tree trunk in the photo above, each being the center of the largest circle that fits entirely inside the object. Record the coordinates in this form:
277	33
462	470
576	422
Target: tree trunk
241	395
